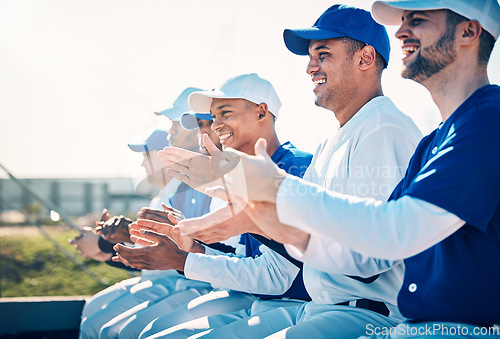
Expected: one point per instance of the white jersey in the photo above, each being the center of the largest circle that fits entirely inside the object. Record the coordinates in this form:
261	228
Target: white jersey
367	157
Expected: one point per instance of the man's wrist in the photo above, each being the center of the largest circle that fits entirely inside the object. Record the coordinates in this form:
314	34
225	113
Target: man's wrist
278	180
197	248
103	256
182	262
299	239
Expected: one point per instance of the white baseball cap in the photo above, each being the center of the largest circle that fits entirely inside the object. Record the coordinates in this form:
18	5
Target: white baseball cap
486	12
250	87
179	106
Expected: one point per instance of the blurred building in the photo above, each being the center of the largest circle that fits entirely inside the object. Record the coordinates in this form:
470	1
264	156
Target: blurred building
76	197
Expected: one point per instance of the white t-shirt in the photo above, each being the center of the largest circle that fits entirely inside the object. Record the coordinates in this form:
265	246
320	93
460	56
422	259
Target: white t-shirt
366	157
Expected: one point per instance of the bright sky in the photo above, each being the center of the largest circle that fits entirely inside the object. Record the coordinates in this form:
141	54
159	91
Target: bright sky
80	79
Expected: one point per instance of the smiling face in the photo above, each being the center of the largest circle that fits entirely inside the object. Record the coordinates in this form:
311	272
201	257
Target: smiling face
427	44
331	68
236	122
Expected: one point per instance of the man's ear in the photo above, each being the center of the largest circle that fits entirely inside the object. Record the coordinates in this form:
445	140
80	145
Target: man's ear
262	110
469	31
368	57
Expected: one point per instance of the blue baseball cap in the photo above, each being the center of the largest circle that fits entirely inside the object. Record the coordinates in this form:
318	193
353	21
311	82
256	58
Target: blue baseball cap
155	142
340	21
189	120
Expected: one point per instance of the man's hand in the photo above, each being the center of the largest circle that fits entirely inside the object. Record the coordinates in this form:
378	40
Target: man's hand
184	242
220	224
159	215
261	178
115	229
197	170
265	216
104	217
252	217
163	254
87	244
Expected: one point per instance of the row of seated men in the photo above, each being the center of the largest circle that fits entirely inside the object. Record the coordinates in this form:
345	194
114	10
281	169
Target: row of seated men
294	245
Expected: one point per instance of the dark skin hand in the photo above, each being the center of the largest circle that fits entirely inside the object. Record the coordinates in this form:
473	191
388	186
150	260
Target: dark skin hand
163	254
87	243
159	215
115	229
104	217
186	243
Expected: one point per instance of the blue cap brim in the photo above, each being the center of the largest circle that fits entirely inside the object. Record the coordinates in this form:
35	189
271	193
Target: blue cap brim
137	147
298	40
204	116
189	122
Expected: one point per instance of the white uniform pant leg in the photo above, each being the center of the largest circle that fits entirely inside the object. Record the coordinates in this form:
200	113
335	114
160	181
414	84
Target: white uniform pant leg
147	290
97	301
407	330
112	327
260	306
201	325
331	321
215	302
185	284
259	325
133	325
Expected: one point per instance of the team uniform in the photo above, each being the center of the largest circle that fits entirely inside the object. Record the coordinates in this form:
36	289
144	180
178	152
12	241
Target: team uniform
443	219
110	308
97	301
256	270
367	156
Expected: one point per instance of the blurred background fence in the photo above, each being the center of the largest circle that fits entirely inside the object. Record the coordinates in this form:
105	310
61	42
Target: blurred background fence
77	197
38	216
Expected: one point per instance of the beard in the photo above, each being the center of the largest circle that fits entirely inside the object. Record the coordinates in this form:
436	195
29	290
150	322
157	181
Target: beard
431	60
335	97
335	100
323	100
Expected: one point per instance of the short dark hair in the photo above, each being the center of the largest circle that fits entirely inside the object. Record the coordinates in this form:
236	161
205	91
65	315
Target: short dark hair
354	45
486	40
